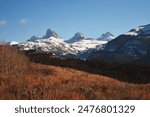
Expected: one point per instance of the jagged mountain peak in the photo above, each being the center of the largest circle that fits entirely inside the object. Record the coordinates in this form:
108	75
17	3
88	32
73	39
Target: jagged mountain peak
77	37
50	33
133	46
33	38
106	37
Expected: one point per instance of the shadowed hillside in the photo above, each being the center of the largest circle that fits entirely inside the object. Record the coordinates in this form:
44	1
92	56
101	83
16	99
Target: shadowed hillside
128	72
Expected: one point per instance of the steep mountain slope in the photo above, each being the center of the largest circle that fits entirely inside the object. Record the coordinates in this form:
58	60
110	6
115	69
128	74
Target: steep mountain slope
82	44
106	37
77	37
141	30
131	46
52	42
50	33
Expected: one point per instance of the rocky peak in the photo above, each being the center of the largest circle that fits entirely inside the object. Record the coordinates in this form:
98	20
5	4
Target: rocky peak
50	33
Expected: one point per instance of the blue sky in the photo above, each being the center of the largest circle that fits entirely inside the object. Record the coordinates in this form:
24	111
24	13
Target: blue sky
20	19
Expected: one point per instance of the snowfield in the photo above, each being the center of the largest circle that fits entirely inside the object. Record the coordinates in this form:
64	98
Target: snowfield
52	42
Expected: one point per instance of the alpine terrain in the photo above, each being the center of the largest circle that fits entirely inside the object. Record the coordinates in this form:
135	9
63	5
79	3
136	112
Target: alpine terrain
51	42
133	46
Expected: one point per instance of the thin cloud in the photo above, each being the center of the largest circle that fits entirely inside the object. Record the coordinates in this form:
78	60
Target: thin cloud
3	22
23	21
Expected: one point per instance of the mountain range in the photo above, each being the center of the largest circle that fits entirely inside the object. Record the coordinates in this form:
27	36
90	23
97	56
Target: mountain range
52	42
133	46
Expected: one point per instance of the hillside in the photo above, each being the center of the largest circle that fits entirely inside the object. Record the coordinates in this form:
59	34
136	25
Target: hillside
23	79
128	72
50	82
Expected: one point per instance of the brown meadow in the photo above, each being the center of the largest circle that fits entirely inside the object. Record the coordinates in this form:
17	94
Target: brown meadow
38	81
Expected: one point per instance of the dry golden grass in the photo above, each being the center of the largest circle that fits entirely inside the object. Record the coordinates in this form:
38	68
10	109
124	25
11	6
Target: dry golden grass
12	63
49	82
20	79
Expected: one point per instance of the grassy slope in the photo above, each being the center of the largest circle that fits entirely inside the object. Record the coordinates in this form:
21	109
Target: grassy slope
49	82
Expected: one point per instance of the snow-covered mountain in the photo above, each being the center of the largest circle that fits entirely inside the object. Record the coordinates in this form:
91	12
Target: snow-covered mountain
144	29
50	33
55	45
81	43
131	46
77	37
33	38
52	42
85	45
106	37
12	43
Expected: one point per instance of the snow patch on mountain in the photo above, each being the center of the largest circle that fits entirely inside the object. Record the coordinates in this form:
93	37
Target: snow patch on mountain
144	29
33	38
13	43
84	45
52	44
50	33
77	37
106	37
134	47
